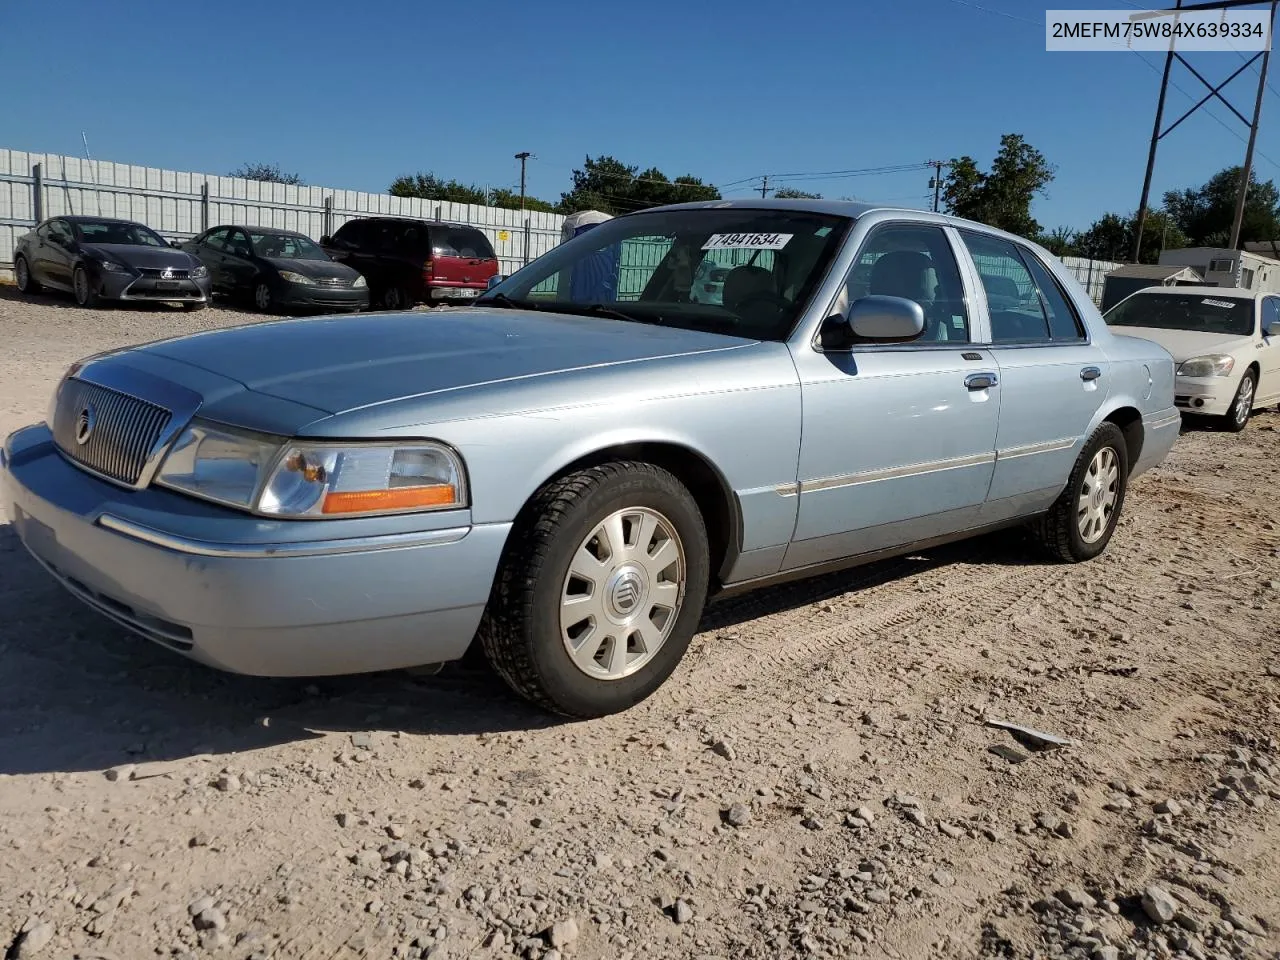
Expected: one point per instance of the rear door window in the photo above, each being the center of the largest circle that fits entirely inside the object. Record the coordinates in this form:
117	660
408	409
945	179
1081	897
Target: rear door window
466	242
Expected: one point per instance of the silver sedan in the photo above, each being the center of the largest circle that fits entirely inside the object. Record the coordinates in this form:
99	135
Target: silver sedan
566	471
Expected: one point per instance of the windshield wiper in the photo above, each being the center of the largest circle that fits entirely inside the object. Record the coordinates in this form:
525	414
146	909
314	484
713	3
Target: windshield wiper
502	300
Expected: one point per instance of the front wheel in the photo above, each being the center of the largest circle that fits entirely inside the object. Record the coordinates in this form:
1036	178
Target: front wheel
1081	521
22	274
82	288
263	300
599	591
1237	418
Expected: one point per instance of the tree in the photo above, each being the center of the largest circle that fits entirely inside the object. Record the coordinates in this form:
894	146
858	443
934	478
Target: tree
1003	196
1111	237
427	186
791	193
270	172
611	186
510	199
1060	241
1204	214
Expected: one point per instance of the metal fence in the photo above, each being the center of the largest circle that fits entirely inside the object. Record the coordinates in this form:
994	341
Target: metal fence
178	205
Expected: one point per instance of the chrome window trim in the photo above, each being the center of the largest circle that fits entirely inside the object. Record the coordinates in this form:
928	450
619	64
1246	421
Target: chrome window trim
259	551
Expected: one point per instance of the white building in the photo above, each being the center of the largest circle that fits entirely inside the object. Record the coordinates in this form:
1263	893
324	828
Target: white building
1222	267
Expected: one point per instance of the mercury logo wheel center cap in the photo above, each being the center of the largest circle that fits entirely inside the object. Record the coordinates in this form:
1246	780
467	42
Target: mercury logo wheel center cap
625	592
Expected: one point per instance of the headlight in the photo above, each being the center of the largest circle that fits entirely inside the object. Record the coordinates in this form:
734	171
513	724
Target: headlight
1214	365
112	267
200	272
290	277
359	283
299	479
344	480
216	463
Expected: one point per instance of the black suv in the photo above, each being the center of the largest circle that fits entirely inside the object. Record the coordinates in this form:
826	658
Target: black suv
415	261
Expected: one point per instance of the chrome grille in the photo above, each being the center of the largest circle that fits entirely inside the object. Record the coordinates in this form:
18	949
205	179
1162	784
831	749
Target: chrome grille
333	282
118	431
157	273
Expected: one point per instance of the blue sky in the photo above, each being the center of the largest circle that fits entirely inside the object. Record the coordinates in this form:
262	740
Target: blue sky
353	94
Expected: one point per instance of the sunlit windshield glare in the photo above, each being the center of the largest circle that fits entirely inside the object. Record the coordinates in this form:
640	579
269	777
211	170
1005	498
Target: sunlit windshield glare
742	272
129	234
1182	311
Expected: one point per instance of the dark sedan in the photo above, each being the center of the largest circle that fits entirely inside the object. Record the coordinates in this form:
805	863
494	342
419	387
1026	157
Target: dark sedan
100	258
277	269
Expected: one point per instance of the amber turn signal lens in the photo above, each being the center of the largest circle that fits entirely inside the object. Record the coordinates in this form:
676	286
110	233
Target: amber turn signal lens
398	498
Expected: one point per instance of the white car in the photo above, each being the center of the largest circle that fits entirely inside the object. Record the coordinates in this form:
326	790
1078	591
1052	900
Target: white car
1225	341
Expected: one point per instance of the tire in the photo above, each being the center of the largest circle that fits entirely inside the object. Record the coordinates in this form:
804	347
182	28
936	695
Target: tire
395	297
524	633
1237	418
82	289
1073	533
22	274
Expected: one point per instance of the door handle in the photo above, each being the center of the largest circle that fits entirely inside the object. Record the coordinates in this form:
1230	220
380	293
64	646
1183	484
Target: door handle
1090	373
981	381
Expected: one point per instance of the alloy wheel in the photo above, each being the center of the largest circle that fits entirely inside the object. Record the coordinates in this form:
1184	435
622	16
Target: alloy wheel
262	297
1098	495
22	274
623	593
1244	401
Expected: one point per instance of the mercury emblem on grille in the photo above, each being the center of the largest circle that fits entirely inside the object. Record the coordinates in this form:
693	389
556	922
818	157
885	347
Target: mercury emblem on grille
166	273
86	419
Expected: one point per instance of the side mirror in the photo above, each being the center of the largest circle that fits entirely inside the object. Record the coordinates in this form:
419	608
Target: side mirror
886	319
326	241
493	281
177	244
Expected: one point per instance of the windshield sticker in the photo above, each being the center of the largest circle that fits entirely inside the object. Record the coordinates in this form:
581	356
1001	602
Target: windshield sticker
1224	304
747	241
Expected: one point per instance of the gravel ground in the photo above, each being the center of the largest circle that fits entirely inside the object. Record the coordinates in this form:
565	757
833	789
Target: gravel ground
818	779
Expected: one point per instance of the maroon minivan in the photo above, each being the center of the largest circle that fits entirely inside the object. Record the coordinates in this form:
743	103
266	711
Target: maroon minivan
415	261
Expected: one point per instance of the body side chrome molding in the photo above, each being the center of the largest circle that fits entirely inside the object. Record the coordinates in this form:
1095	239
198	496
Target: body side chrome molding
302	548
1031	449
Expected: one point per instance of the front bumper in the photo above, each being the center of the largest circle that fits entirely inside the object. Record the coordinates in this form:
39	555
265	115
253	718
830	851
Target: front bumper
152	287
1211	396
340	298
247	595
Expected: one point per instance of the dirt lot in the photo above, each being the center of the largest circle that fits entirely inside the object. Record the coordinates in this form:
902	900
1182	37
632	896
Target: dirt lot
818	778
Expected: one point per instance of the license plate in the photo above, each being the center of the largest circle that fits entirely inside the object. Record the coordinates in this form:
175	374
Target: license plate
465	292
166	285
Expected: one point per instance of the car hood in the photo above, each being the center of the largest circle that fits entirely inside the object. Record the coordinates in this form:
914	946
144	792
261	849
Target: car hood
340	364
315	269
136	255
1185	344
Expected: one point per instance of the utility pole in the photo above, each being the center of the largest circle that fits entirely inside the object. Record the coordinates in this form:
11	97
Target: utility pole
937	184
764	187
523	157
1243	195
1151	155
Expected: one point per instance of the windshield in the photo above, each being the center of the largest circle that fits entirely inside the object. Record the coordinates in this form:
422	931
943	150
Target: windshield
285	246
110	231
761	267
1184	311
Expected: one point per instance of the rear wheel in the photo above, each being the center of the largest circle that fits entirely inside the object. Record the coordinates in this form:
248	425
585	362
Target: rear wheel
82	288
395	297
1081	521
22	274
1237	417
600	590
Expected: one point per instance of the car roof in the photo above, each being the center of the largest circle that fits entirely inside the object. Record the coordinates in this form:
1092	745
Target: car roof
422	220
274	231
853	209
85	218
1199	290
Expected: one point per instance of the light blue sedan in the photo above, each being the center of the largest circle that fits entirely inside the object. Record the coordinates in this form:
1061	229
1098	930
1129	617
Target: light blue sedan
568	470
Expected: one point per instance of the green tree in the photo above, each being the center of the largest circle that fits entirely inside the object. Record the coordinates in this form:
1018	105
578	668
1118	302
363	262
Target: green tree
427	186
1060	241
1001	197
510	199
611	186
791	193
269	172
1111	237
1205	213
